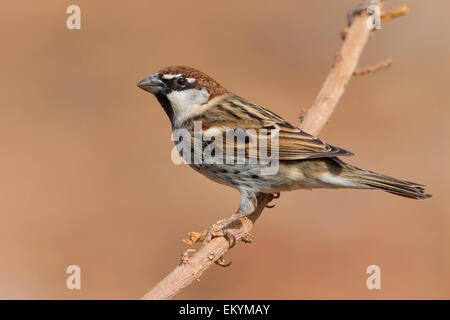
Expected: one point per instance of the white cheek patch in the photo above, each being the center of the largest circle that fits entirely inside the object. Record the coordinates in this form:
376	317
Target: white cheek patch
190	80
187	103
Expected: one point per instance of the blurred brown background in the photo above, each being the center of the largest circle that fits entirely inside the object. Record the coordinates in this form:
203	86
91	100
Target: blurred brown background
86	175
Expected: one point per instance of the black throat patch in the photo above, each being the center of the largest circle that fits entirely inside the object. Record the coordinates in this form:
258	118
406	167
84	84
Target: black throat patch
167	106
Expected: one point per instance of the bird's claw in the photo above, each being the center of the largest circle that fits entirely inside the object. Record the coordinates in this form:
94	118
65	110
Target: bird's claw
220	229
230	236
222	232
247	238
207	235
221	262
275	195
213	232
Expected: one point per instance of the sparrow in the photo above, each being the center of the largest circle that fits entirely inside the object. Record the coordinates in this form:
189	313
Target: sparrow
189	96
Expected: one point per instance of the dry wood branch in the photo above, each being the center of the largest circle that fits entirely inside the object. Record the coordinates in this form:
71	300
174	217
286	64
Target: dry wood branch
192	268
389	15
372	69
342	70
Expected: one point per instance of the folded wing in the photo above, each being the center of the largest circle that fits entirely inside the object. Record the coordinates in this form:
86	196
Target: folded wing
234	114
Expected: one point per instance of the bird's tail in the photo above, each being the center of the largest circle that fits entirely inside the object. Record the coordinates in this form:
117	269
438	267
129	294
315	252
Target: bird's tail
378	181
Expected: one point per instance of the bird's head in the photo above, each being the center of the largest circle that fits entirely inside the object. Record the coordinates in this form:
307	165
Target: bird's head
182	91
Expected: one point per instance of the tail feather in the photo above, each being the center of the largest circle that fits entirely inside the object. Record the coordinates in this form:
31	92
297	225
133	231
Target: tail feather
374	180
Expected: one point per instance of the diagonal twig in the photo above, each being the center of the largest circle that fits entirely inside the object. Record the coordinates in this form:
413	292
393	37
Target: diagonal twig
372	69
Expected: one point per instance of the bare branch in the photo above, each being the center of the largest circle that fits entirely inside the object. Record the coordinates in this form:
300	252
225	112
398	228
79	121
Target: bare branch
192	268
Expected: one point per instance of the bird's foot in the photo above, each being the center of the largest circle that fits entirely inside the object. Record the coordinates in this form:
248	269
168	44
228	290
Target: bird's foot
219	229
247	238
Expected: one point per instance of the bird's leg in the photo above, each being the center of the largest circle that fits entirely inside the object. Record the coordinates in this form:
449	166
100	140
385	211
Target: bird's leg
247	206
358	9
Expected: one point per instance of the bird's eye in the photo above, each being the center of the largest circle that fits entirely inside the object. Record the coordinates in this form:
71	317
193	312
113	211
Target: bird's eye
181	82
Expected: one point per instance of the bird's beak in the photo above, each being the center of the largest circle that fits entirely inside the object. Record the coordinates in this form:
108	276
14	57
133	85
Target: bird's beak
153	84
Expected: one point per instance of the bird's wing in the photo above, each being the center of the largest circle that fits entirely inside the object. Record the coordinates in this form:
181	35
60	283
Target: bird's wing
234	112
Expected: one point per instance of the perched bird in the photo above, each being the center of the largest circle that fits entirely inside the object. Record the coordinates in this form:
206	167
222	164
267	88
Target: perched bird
305	162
